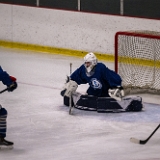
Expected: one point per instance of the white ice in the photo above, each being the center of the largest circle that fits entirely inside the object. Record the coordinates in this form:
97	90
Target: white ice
42	129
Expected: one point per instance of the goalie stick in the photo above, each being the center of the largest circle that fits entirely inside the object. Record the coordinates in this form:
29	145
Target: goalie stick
134	140
3	90
70	98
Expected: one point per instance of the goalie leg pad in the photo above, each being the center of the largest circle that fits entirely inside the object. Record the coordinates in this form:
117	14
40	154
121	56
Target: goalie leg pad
105	104
87	102
135	105
66	101
108	104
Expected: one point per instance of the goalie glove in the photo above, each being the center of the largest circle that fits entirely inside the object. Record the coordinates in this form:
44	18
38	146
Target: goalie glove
116	93
13	85
69	88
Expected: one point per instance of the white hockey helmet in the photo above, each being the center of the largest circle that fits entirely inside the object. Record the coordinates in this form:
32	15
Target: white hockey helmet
90	57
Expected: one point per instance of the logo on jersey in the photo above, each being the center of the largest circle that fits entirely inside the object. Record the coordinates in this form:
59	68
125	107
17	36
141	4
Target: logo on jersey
96	84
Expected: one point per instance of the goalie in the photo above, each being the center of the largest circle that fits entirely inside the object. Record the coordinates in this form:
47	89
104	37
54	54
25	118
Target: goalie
105	92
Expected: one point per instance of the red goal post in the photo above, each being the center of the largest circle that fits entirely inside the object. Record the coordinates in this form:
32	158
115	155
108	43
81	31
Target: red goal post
137	59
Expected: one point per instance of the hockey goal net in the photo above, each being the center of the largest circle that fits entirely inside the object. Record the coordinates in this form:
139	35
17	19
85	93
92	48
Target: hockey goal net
137	60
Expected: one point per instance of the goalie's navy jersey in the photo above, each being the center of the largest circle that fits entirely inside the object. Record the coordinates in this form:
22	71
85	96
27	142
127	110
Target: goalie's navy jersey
99	83
4	77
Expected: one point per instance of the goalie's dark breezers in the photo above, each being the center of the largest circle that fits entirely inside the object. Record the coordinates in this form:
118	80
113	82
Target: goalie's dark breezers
134	140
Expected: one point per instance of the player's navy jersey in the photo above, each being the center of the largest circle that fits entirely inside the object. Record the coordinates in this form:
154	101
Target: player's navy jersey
102	79
4	77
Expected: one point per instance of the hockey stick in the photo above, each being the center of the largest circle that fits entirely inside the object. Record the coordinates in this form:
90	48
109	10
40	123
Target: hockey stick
134	140
70	105
3	90
70	98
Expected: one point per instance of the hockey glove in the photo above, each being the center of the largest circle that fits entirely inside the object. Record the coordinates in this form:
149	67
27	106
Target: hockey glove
13	85
116	93
69	88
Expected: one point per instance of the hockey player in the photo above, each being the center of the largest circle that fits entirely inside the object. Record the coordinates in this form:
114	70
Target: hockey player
105	85
97	75
11	84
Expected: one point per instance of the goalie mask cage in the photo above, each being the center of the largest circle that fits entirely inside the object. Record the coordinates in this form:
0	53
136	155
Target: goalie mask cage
137	60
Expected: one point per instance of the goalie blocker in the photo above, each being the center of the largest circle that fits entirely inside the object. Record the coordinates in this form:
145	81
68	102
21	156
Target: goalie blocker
105	104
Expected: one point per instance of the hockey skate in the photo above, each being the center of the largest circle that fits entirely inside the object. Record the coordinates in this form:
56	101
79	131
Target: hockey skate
5	144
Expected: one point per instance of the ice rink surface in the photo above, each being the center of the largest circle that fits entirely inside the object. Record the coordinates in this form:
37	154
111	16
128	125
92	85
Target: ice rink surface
41	128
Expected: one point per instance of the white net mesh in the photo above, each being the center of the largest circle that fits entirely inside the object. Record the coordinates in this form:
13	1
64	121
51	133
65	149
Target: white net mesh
139	60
